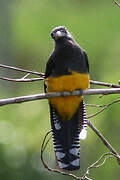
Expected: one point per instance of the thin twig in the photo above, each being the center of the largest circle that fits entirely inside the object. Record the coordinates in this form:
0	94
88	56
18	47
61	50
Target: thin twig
22	79
96	165
118	4
37	79
104	84
105	107
45	144
25	76
58	94
42	75
95	105
22	70
106	143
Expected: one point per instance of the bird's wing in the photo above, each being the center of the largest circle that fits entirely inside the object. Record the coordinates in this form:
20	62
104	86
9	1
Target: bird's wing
86	60
49	69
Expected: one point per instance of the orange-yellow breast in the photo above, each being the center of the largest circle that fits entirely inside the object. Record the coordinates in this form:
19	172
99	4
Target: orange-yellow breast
67	106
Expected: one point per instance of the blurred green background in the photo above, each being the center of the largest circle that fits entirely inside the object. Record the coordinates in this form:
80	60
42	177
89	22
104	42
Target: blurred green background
25	42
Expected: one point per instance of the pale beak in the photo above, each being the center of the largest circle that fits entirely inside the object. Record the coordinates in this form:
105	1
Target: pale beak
59	34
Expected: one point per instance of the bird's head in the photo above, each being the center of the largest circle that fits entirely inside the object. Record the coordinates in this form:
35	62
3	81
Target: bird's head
61	33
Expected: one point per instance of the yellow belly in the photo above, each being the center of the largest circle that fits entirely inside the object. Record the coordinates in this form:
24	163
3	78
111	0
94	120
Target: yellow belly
67	106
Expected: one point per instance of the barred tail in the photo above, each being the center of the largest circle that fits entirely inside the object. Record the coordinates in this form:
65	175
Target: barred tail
66	138
83	132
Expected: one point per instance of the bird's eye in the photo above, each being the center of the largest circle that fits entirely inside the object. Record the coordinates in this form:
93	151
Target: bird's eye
63	31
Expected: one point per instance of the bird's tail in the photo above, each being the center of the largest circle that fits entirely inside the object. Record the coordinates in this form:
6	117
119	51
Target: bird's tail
66	137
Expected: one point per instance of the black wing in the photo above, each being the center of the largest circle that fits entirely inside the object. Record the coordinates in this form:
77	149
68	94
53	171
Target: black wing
86	60
49	69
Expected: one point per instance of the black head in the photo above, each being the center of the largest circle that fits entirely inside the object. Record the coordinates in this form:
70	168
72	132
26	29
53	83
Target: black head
61	33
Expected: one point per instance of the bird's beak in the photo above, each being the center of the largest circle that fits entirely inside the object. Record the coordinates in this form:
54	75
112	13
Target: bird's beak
59	34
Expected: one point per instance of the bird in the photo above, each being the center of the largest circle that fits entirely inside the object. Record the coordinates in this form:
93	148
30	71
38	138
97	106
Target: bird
67	69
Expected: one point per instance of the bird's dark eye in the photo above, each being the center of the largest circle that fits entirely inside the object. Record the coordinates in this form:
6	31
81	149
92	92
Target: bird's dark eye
63	30
53	34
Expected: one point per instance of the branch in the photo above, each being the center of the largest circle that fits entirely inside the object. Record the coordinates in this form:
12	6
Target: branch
95	105
104	107
96	165
58	94
22	79
118	4
38	79
22	70
106	143
104	84
42	75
